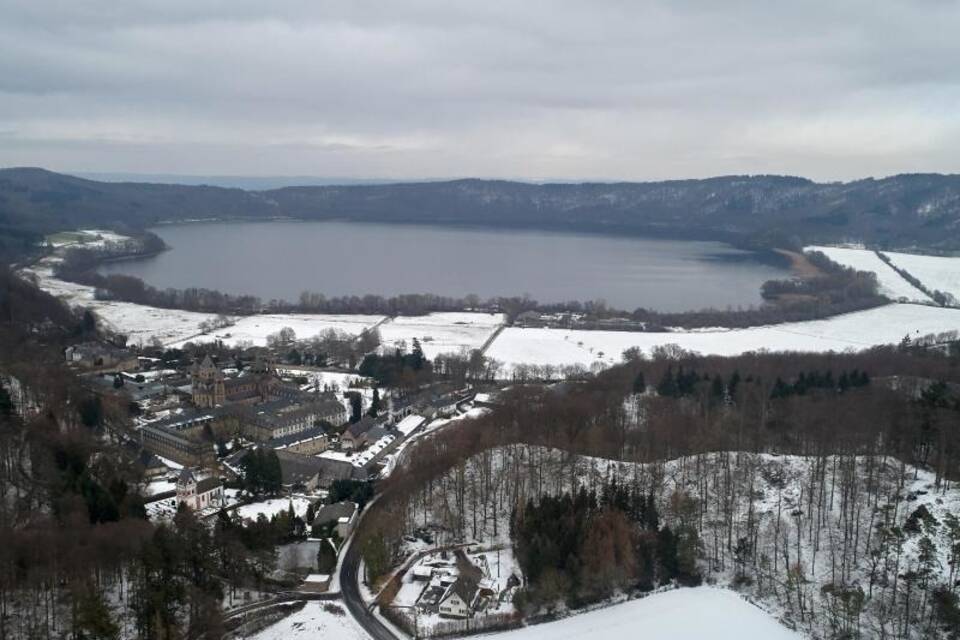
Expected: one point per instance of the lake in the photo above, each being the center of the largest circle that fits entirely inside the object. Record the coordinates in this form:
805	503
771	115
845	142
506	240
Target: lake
280	259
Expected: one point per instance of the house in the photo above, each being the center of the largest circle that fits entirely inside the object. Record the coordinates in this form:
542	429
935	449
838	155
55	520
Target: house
312	472
97	355
330	470
487	400
343	516
422	573
443	405
439	401
298	470
150	465
355	436
410	424
457	602
199	494
400	408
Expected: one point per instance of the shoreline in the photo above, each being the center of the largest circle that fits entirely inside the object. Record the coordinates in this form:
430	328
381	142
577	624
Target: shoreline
800	265
771	313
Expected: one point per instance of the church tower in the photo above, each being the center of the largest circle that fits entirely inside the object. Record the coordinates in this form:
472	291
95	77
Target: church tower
206	383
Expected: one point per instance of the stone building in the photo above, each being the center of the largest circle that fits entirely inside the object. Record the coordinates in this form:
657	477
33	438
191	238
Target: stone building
207	384
199	494
180	438
309	442
98	355
210	387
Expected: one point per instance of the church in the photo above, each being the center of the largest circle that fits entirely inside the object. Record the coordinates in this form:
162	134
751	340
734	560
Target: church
211	388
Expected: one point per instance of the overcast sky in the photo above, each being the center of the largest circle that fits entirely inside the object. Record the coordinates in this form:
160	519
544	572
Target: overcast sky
830	89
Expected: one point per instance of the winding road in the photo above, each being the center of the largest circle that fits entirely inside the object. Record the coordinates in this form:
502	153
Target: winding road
350	570
350	590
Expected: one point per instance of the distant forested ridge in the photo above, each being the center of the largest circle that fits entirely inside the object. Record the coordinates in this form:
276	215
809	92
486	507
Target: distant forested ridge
916	210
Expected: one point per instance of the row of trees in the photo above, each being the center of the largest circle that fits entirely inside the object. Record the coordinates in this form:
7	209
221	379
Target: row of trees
943	298
822	381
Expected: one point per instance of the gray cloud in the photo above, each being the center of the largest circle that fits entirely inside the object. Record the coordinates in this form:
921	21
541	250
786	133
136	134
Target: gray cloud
630	90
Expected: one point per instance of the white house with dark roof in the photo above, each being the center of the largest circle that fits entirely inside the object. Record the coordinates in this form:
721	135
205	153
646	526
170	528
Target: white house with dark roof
199	494
457	602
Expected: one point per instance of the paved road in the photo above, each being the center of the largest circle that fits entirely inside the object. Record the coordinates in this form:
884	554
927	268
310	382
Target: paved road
350	579
350	590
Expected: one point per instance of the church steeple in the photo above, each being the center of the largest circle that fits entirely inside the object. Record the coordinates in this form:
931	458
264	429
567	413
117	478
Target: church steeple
206	381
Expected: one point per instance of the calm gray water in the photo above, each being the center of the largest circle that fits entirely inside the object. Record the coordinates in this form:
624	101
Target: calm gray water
282	259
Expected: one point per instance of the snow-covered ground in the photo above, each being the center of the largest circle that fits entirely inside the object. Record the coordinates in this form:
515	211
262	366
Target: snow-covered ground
174	327
141	324
768	499
254	330
437	332
159	486
853	331
936	273
683	614
441	332
274	506
333	380
86	237
891	283
313	621
453	332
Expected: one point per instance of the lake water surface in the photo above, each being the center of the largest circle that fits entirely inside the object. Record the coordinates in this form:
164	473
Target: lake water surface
281	259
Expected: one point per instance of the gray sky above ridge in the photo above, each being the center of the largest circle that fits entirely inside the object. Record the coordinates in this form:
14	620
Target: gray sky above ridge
608	89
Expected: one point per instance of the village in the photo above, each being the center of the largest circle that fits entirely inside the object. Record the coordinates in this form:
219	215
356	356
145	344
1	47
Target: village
258	438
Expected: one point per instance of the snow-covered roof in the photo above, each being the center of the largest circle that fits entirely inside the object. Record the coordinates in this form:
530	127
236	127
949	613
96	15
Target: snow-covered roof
410	424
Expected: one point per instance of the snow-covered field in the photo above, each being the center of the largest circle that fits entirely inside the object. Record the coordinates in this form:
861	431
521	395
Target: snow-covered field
314	622
891	283
174	327
86	237
437	332
272	507
441	332
254	330
936	273
452	332
141	324
333	380
683	614
852	331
